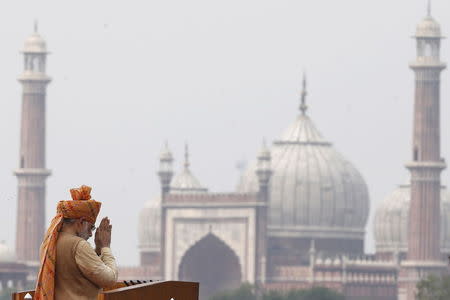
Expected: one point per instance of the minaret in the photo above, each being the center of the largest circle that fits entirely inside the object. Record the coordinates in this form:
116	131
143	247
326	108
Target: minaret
427	164
264	173
424	257
165	172
32	172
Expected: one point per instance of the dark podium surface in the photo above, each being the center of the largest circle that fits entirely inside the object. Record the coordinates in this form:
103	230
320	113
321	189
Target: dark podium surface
161	290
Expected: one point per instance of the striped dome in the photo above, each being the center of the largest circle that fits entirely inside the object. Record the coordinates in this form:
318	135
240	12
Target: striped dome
314	191
149	229
391	221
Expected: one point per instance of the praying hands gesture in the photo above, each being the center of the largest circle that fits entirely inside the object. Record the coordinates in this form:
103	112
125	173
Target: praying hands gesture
103	235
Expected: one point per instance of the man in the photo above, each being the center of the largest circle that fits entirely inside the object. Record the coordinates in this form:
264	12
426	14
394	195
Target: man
70	267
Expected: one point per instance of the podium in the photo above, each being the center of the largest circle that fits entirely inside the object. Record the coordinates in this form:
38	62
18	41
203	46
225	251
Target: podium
161	290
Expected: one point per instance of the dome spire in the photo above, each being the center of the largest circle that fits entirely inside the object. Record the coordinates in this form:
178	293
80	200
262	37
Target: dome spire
186	156
35	26
303	106
429	8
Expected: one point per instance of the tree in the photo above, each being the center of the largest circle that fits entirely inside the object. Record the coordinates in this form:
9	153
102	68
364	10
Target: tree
244	292
5	294
434	287
247	292
315	293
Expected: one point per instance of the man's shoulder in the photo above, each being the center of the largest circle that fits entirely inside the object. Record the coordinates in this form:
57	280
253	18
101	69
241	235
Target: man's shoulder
69	239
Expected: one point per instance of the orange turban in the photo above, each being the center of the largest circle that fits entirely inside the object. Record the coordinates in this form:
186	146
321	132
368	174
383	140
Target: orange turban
81	206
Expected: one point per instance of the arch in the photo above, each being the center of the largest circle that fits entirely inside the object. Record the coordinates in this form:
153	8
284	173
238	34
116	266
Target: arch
428	50
212	263
35	64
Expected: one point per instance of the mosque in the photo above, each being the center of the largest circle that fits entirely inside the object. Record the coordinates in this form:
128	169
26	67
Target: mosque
297	218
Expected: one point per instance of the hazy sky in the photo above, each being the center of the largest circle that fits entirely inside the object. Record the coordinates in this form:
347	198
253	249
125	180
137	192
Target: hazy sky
222	75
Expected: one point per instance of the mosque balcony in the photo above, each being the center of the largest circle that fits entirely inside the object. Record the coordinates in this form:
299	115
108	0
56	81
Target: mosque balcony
427	63
32	172
212	199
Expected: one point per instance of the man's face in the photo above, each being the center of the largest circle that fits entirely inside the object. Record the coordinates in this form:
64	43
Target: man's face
85	229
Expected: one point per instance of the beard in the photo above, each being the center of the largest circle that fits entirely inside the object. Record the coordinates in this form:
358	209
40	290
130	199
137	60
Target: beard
84	235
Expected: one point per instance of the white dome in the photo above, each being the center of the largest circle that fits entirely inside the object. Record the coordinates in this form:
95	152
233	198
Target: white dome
428	27
391	221
149	229
35	44
314	191
6	254
185	182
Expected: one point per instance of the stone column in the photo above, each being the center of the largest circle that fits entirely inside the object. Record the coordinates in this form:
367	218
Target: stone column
32	172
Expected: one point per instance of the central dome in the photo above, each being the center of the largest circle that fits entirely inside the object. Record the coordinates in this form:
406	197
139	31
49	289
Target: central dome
314	191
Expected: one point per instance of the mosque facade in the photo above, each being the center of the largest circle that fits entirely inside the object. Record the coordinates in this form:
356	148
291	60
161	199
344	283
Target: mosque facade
298	216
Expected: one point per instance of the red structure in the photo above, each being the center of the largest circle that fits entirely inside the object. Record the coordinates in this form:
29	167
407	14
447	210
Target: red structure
427	163
32	172
424	255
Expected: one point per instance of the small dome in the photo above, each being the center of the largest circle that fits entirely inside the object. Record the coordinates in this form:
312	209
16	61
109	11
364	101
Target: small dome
6	254
428	27
391	221
314	191
150	226
185	182
35	44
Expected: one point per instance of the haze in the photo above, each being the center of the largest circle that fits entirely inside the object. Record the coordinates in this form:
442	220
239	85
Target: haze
220	75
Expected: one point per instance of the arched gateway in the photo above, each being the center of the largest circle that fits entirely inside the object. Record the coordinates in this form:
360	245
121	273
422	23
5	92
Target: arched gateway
212	263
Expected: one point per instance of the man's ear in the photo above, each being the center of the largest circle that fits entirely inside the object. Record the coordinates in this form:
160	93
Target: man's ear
79	222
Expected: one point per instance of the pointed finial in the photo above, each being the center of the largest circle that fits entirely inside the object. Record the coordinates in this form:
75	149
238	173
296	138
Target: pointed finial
35	26
264	153
264	143
429	8
186	156
166	147
303	106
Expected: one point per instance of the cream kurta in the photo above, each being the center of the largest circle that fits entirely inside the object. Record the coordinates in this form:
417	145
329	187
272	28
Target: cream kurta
80	272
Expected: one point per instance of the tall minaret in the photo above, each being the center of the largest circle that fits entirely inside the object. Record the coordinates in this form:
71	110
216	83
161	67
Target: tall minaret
427	164
32	172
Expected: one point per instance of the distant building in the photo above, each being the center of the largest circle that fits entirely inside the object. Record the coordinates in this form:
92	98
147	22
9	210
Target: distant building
299	214
12	273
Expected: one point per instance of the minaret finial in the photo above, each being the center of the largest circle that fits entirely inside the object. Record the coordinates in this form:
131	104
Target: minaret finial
186	156
166	146
303	106
35	26
429	8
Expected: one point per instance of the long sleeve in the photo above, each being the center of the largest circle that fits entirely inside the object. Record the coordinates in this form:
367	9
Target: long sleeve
102	271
